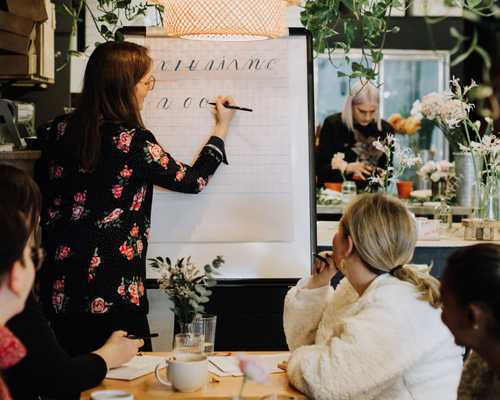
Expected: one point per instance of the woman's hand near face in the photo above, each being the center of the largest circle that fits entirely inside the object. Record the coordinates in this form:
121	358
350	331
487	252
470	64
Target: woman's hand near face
323	272
359	168
222	115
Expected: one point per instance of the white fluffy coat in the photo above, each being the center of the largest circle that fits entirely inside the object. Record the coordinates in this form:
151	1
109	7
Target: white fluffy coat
385	345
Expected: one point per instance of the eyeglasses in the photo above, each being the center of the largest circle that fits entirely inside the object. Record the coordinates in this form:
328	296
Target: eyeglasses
37	256
150	83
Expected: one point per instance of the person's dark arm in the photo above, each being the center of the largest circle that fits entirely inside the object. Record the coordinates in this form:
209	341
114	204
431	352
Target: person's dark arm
48	370
152	163
329	144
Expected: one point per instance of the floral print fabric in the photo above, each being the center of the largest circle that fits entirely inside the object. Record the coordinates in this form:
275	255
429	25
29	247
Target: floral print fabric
96	223
11	352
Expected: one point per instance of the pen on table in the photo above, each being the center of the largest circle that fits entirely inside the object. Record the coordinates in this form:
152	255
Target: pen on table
151	335
234	107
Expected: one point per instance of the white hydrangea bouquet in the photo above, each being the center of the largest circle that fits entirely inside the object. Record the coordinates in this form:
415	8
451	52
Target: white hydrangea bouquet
449	110
186	284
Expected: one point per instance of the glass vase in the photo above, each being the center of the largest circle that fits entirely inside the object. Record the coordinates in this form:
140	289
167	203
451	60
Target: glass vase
490	199
186	327
391	188
438	189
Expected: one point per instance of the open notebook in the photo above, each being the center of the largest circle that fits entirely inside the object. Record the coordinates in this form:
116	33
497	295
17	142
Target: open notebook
135	368
229	365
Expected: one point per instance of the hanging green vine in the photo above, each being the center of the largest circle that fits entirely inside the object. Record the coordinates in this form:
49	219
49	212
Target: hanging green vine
342	24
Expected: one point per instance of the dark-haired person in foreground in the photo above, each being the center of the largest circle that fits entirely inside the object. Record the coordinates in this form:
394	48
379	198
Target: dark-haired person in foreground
17	273
471	309
45	369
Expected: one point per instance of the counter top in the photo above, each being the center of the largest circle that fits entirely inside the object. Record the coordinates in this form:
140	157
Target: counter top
417	209
451	238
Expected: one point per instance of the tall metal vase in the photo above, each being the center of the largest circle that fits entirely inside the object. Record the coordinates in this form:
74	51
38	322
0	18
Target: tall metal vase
468	179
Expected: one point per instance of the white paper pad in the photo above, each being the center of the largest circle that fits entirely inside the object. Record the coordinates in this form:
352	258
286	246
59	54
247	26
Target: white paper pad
229	365
135	368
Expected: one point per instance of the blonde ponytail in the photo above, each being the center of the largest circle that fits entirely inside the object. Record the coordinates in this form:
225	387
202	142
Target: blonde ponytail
426	284
384	235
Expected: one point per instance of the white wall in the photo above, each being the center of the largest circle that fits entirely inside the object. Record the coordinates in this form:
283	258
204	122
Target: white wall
92	36
294	16
161	319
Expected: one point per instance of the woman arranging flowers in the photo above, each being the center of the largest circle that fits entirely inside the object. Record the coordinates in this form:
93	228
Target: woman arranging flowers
352	133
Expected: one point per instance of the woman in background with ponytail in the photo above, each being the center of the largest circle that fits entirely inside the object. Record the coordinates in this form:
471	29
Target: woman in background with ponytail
378	335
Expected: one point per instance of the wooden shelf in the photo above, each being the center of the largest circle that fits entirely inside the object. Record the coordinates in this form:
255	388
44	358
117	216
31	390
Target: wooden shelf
20	155
26	80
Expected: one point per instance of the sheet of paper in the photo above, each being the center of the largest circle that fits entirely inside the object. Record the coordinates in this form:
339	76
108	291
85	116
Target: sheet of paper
255	190
135	368
229	365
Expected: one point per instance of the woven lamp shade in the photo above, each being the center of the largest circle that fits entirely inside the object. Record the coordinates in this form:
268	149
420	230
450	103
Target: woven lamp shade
225	19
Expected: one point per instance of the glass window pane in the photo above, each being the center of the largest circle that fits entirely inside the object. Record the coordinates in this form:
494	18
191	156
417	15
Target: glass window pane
331	89
406	81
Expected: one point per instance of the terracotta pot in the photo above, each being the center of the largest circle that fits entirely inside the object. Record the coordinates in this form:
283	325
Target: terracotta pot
404	189
337	186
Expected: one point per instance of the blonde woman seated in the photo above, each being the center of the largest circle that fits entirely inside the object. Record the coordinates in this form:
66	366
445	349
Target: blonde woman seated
379	334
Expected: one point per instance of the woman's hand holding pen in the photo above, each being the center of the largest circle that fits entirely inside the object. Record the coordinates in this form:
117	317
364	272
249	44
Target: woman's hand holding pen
119	349
324	270
359	168
223	116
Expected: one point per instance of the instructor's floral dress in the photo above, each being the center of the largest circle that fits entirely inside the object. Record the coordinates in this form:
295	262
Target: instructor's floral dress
95	224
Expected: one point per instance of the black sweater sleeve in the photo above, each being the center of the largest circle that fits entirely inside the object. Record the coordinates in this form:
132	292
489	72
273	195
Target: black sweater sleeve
48	370
330	142
152	163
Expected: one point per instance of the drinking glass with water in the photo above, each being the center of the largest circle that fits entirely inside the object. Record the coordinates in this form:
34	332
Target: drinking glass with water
189	343
205	324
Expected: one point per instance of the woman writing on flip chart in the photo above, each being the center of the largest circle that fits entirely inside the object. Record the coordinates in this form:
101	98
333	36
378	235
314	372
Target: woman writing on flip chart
97	172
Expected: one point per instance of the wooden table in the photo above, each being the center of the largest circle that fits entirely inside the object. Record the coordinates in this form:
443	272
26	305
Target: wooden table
148	387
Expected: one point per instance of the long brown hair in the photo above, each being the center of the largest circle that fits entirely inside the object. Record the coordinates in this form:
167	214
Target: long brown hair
108	94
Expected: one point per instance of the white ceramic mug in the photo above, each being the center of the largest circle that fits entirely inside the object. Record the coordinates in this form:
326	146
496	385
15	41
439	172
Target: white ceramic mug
187	373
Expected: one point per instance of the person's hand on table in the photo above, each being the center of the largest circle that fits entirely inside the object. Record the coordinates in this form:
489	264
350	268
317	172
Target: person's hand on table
323	272
359	169
119	349
222	115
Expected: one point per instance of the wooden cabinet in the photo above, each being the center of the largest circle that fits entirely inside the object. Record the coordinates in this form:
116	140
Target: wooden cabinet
27	41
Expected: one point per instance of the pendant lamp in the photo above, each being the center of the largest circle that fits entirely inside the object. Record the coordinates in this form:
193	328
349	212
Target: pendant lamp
225	19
